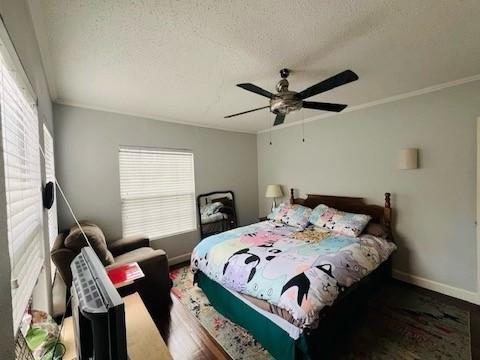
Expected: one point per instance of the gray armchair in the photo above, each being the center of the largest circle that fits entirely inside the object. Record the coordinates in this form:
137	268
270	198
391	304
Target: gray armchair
154	288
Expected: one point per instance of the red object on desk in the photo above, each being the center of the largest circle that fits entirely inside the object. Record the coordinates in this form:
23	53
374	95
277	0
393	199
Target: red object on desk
125	274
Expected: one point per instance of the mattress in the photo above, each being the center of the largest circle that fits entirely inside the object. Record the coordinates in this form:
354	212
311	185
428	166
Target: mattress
269	308
281	271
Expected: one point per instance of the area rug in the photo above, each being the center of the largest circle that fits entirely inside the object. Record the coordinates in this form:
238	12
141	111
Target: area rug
399	324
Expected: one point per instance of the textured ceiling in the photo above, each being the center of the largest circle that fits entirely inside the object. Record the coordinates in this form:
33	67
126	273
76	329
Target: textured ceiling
180	60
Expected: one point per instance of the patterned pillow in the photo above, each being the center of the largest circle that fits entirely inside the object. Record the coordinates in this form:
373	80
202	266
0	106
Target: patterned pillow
292	215
278	212
340	222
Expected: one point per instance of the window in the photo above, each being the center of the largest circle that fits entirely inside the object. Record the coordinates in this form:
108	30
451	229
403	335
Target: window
157	191
50	176
21	160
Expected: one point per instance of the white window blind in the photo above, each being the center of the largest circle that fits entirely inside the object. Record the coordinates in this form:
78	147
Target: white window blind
157	191
50	176
20	141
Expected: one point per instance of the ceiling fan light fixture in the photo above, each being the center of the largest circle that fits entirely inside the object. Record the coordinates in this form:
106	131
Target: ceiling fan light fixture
285	104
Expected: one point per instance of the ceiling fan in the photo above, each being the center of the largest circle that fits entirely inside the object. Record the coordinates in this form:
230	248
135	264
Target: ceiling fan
286	101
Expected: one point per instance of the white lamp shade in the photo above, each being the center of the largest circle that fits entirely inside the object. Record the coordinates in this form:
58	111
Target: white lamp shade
274	191
408	159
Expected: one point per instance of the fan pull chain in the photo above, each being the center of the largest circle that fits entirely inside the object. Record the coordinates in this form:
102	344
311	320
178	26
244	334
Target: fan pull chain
267	123
267	117
303	126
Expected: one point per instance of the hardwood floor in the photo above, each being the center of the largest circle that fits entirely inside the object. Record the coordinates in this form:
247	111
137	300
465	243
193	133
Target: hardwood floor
473	309
187	339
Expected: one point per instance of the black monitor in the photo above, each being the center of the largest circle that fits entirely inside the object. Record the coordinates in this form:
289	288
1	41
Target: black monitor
98	311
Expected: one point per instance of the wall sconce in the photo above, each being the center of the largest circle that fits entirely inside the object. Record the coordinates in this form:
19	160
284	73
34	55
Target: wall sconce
408	159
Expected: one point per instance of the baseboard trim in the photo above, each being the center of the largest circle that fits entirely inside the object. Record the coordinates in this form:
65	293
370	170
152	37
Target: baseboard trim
179	259
461	294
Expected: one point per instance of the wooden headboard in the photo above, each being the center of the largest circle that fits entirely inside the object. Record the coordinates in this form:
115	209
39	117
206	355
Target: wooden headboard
379	214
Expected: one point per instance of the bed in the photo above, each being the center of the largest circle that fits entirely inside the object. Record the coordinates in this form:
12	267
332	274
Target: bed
294	292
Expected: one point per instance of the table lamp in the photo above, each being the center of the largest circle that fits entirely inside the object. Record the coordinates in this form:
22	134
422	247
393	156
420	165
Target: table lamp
274	191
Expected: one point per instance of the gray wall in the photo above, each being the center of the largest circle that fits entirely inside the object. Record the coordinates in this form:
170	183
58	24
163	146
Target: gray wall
19	25
355	154
86	155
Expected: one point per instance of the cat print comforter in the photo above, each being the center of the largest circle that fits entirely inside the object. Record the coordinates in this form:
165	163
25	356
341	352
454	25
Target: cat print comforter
299	271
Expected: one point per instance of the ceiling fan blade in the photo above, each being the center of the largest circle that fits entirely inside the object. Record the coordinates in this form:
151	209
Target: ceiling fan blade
246	112
256	90
337	80
323	106
279	119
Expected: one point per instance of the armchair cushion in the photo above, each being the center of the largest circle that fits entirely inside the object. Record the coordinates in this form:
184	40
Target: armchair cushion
154	264
137	255
121	246
155	287
63	257
75	241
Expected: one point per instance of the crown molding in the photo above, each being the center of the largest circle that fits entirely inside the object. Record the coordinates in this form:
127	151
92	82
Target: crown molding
386	100
148	116
39	28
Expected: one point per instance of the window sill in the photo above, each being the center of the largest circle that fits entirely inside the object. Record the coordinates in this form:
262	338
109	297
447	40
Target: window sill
154	238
